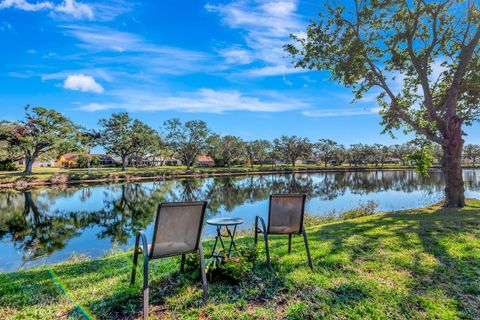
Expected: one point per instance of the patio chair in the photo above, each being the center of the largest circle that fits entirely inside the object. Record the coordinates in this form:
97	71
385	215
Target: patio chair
178	227
285	216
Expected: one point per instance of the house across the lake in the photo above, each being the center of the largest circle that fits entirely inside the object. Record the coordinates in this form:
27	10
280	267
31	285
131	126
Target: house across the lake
204	161
38	163
70	160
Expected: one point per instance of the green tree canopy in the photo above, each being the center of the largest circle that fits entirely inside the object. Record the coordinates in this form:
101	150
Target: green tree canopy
292	148
42	131
225	150
124	137
420	57
187	139
258	150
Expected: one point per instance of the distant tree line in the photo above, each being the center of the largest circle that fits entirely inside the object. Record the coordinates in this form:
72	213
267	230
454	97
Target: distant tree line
45	133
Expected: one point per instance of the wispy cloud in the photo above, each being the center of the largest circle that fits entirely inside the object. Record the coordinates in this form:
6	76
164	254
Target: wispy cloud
72	8
340	112
204	100
82	83
105	11
133	52
267	26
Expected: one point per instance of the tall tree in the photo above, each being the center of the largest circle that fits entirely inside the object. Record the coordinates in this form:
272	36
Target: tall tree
88	140
258	150
43	131
358	153
187	139
400	151
472	153
380	153
124	137
431	47
325	150
225	150
292	148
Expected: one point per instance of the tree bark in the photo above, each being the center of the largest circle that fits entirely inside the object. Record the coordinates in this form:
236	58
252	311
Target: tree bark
452	172
29	160
124	163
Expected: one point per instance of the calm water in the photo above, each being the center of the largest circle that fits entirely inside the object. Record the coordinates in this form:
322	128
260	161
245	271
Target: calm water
48	226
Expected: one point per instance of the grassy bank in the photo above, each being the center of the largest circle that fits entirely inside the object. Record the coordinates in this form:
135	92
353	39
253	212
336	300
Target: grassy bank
52	176
416	264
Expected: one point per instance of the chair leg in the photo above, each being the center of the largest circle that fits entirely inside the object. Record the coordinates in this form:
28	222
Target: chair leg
256	230
289	243
145	287
204	275
265	238
135	261
182	263
307	249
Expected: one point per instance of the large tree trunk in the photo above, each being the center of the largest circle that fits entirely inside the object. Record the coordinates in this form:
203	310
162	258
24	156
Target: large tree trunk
29	160
452	172
124	163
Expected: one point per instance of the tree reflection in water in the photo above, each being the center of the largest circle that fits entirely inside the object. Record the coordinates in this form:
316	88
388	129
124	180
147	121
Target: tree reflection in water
38	223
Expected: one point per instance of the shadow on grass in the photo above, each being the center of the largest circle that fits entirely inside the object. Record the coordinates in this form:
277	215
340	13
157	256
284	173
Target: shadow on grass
445	269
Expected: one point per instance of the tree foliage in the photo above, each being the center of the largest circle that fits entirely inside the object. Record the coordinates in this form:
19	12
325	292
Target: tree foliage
291	148
258	150
420	57
187	139
225	150
325	150
41	132
124	137
472	153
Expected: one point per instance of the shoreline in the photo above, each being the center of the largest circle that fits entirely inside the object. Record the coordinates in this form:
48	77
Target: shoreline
19	182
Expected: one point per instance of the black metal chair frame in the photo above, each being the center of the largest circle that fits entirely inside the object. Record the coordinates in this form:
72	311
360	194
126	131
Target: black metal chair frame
148	257
266	231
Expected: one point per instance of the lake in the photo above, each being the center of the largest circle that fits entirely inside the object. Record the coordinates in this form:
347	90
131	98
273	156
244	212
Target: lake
48	226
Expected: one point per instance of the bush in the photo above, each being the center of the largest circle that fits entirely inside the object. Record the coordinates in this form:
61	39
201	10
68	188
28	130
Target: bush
7	165
218	268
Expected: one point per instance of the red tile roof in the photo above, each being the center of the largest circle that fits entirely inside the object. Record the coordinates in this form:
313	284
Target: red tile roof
204	159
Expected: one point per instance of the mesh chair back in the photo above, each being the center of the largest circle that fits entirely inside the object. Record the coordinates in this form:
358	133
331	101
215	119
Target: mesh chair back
178	228
285	215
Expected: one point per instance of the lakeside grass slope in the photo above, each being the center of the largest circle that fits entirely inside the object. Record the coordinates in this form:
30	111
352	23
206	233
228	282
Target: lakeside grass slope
415	264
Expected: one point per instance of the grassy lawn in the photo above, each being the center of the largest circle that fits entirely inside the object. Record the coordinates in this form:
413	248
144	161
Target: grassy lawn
417	264
61	175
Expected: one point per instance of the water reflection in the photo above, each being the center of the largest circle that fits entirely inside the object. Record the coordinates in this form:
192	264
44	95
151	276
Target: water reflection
46	226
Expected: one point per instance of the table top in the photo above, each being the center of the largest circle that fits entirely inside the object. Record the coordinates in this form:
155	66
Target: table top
225	221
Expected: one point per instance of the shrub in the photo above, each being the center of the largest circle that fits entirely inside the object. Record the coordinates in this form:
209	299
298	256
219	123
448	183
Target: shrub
7	165
230	269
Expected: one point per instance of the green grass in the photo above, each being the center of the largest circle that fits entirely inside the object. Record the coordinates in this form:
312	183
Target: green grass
61	175
416	264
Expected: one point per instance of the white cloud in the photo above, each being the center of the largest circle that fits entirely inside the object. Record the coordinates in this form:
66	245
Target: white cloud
340	112
26	6
75	9
71	8
237	55
203	100
267	25
273	70
82	83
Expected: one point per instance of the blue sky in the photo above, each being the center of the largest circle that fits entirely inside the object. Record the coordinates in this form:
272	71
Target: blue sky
219	61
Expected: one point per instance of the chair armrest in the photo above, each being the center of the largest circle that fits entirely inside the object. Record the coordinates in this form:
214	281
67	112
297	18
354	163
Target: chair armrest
141	236
263	226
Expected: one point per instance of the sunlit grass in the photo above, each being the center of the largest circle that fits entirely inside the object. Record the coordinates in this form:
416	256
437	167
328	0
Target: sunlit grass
416	264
